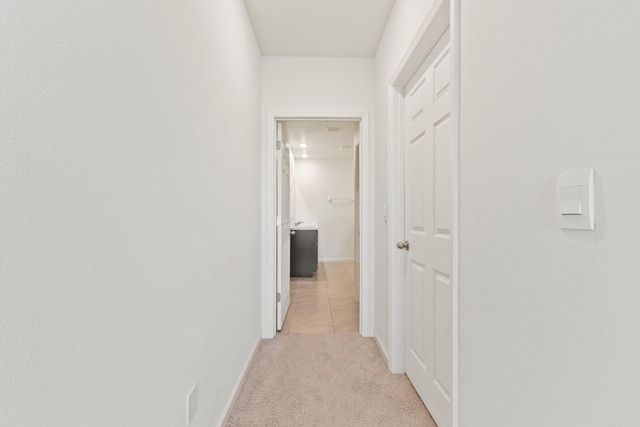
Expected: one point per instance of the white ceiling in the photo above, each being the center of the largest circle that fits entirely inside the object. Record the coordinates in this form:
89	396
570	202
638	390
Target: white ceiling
321	143
348	28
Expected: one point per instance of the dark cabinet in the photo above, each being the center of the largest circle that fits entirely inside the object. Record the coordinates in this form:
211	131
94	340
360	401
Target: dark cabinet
304	253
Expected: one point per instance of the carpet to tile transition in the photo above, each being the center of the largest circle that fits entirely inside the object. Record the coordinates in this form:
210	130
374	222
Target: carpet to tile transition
327	380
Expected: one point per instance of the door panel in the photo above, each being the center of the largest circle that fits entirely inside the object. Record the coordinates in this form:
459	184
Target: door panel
284	236
428	228
356	217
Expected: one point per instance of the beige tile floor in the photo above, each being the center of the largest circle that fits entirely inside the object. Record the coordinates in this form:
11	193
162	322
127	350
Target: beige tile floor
323	303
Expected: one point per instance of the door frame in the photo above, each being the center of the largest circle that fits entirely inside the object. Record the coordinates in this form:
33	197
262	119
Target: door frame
444	14
269	229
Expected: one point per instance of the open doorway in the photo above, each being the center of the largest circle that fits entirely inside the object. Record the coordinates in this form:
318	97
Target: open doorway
269	218
317	180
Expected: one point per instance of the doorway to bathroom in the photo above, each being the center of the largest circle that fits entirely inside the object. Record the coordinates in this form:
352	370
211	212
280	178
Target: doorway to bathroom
319	265
317	287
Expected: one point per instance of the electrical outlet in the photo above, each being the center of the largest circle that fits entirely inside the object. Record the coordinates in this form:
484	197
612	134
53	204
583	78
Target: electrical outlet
192	404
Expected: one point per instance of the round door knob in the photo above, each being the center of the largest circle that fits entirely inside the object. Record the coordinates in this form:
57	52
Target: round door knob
292	232
403	245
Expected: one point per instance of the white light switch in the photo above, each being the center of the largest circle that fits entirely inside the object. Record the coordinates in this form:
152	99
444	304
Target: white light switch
571	200
575	199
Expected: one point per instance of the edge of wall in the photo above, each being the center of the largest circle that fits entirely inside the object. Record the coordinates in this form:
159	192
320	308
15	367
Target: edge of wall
236	389
384	354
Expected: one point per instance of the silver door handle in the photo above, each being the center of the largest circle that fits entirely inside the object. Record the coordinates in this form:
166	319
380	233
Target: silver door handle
403	245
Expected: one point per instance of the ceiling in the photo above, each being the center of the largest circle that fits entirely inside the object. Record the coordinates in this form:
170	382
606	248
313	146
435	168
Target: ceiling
346	28
324	139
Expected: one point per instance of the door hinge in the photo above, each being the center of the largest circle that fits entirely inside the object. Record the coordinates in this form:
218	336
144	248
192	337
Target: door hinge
278	297
278	145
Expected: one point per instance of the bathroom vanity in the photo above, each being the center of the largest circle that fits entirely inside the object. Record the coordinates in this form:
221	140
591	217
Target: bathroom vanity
304	249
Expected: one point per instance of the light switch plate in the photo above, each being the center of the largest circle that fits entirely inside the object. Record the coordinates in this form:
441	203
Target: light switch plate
575	204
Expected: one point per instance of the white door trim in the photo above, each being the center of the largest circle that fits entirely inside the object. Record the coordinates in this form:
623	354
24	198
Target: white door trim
269	218
444	14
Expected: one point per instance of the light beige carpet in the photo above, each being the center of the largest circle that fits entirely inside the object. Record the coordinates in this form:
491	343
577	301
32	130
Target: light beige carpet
324	380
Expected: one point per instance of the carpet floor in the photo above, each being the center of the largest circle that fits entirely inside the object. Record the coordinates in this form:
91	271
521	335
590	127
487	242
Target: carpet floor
326	380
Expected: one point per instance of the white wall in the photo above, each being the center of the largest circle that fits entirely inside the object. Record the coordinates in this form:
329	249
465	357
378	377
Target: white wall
316	180
123	126
295	84
550	318
403	24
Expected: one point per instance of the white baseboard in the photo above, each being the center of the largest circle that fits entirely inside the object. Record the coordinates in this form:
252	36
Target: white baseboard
381	348
238	386
335	260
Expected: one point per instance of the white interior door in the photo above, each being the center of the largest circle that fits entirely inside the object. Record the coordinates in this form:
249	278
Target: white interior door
428	229
356	219
283	230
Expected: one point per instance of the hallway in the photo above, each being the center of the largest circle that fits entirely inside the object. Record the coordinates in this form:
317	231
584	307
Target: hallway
324	380
138	215
323	303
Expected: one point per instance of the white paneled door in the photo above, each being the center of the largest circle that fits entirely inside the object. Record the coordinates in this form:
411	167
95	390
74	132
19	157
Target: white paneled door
284	236
428	231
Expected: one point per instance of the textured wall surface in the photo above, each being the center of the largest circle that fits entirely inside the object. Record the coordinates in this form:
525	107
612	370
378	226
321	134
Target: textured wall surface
300	84
550	319
125	229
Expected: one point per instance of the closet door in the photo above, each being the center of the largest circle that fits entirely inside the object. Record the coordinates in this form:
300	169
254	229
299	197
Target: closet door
428	229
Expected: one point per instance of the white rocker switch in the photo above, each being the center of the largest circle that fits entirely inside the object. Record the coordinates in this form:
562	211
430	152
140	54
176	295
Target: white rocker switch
575	199
571	200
